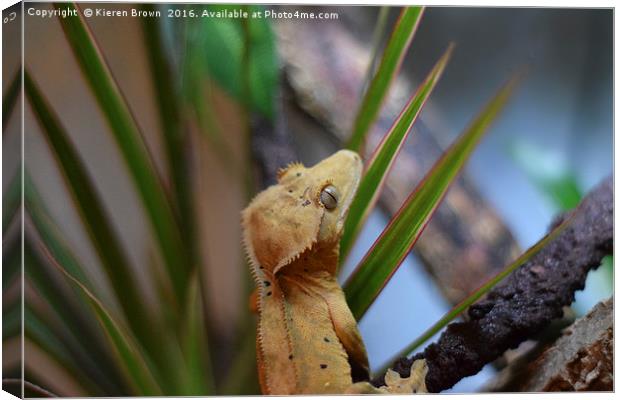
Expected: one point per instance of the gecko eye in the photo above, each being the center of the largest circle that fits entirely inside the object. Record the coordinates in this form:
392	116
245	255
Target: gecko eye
329	197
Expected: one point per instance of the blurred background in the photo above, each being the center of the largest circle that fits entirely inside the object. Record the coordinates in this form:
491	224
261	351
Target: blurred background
550	146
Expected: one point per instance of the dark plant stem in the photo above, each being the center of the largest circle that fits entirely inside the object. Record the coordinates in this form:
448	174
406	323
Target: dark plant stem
527	301
177	141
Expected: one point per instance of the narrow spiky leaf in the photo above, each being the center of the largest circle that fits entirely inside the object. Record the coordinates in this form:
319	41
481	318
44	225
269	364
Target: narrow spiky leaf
199	380
391	60
132	359
89	205
175	138
390	249
378	167
134	151
40	331
78	330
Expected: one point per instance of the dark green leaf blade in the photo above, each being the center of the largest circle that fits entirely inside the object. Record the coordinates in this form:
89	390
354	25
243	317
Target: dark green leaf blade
49	233
385	155
175	137
194	341
222	44
78	330
390	249
197	85
132	360
393	55
41	332
484	289
134	151
90	208
104	238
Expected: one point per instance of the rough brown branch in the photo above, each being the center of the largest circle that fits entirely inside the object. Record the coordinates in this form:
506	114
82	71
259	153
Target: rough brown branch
527	300
581	359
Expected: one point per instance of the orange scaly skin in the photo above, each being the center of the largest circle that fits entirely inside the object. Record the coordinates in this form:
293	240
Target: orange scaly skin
307	340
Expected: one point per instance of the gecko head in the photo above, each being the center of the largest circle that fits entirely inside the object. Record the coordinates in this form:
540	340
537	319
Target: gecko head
307	207
337	180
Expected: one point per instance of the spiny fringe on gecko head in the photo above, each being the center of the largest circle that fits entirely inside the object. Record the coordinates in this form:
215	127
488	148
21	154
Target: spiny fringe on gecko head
276	229
290	218
289	168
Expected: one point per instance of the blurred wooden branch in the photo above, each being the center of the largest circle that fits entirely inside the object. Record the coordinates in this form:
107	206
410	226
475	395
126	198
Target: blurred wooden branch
271	145
581	359
527	301
326	75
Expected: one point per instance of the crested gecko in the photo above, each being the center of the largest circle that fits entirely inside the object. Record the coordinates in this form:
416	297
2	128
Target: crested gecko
307	340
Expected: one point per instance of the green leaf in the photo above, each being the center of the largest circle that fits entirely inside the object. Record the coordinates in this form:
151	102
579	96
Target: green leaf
221	42
484	289
391	248
263	64
9	99
377	34
133	361
199	380
134	151
388	68
96	221
49	233
106	243
196	86
385	155
79	332
56	345
56	296
551	175
175	137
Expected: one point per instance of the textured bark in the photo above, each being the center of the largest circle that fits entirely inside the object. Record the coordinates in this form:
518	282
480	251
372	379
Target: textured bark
581	359
325	66
527	301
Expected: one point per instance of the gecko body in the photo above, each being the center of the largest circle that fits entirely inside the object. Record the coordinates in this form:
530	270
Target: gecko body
307	339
